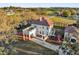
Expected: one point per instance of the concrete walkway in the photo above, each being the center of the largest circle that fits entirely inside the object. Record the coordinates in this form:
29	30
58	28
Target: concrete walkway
45	44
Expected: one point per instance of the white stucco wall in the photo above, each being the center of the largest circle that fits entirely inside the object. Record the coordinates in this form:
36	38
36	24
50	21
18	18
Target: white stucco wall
65	34
52	33
25	32
40	28
31	32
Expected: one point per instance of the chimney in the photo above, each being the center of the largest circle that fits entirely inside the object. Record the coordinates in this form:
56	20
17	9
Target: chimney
41	18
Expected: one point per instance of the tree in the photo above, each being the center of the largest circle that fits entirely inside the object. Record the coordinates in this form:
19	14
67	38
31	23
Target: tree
78	23
66	13
49	13
8	43
73	12
8	47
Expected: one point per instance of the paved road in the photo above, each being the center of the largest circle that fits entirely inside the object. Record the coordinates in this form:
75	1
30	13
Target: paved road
45	44
29	52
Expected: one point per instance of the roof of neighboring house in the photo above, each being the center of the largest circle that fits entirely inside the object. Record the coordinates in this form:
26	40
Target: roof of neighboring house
42	21
70	29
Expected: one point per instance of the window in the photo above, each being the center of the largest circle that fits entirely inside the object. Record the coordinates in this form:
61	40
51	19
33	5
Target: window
42	32
47	28
35	26
47	33
43	27
40	27
52	33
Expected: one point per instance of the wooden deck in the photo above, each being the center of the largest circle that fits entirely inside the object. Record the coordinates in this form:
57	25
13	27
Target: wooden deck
54	40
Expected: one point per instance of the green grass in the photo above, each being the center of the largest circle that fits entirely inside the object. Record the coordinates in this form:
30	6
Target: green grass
58	27
31	46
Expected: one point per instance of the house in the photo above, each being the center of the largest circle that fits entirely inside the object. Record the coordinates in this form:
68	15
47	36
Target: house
72	34
42	28
76	16
10	12
29	32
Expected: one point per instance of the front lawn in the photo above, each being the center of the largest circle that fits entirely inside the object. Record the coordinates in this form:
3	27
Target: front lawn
31	46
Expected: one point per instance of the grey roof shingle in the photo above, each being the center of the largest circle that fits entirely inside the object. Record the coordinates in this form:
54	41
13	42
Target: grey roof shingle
44	22
70	29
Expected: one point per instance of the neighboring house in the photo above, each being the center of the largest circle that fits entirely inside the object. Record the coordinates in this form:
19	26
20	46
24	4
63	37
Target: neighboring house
43	27
10	12
72	34
76	16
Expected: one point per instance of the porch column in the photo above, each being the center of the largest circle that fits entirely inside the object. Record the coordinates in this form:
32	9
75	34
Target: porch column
54	32
29	36
24	37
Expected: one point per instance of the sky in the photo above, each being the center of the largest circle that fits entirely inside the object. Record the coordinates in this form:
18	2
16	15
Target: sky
76	5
